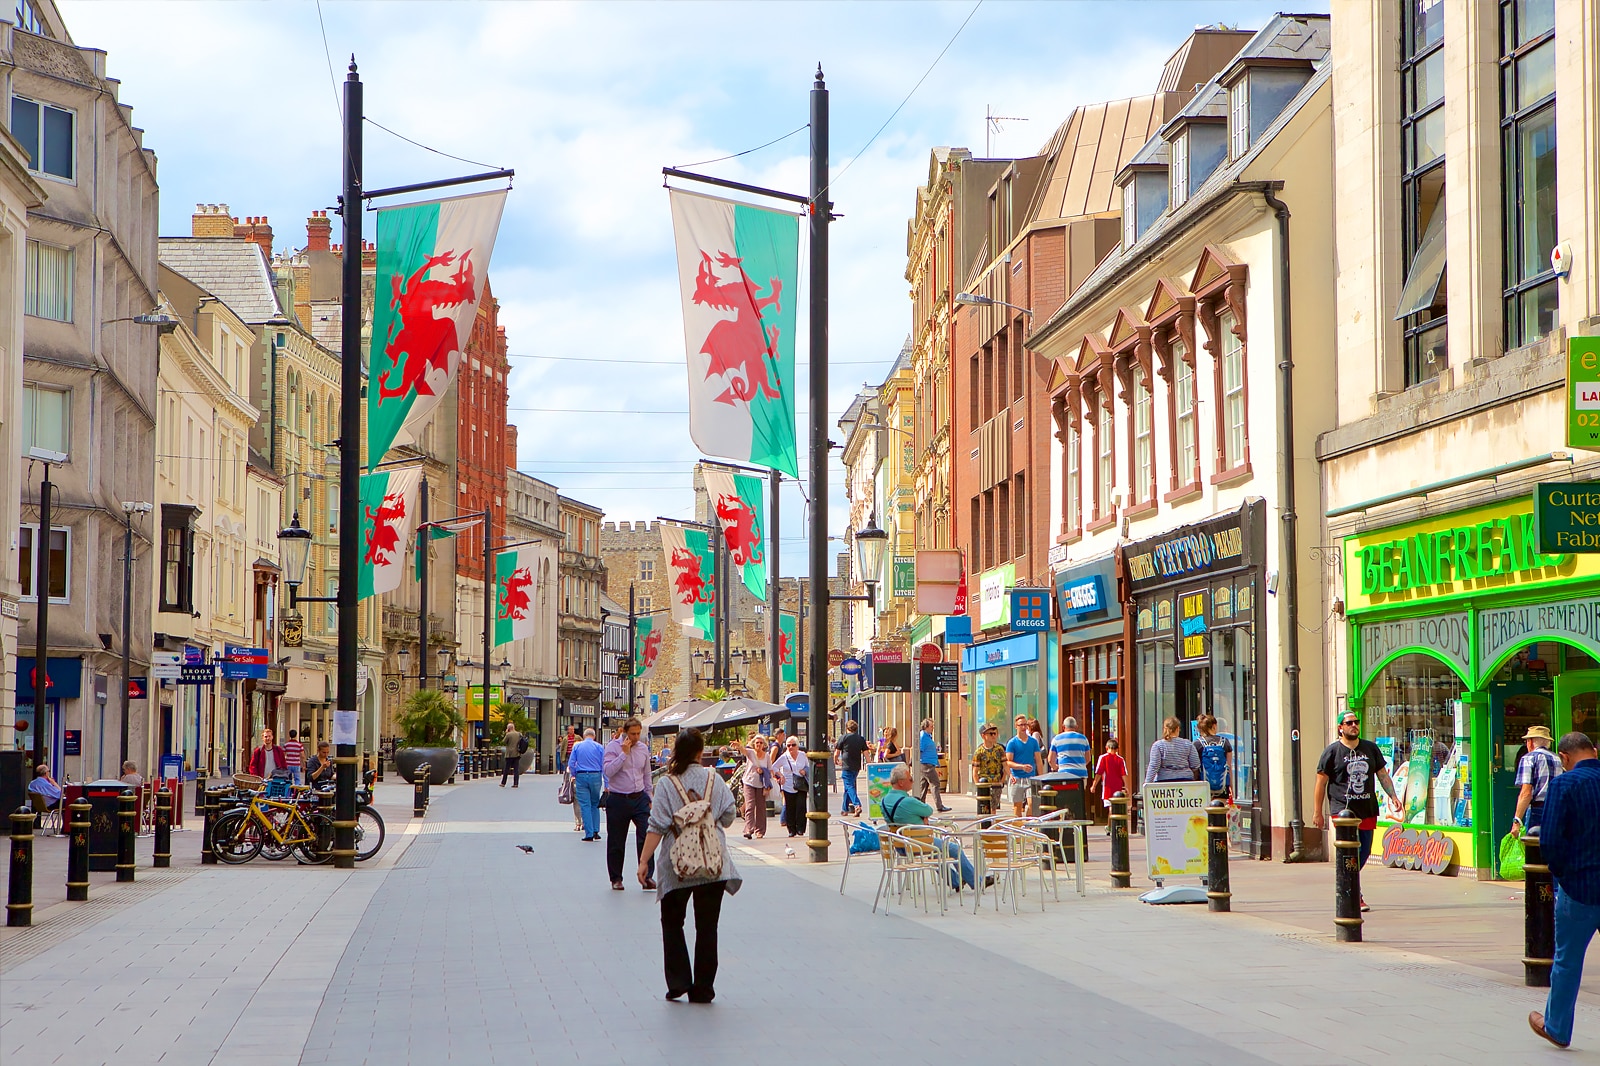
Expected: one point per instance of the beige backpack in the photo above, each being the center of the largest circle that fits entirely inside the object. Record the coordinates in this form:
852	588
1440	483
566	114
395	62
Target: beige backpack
696	847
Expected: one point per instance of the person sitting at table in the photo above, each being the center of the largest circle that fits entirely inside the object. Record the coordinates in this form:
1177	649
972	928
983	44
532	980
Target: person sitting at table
320	770
45	787
901	808
130	775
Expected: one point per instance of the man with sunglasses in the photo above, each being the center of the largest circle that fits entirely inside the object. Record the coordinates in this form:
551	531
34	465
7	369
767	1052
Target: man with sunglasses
1348	774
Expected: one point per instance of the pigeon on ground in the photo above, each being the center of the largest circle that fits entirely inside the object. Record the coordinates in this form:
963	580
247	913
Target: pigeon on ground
525	847
788	851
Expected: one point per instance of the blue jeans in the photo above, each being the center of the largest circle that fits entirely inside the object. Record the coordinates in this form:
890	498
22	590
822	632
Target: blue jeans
295	773
1532	817
586	786
850	797
969	876
1576	923
1364	838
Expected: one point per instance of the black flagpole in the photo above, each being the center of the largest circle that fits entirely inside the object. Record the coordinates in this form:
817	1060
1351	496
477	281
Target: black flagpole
821	215
774	601
344	804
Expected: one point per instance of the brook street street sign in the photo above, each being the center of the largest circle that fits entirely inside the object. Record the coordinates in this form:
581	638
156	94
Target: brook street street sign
1567	517
1583	392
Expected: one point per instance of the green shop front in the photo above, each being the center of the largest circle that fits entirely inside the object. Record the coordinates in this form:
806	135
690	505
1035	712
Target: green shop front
1463	635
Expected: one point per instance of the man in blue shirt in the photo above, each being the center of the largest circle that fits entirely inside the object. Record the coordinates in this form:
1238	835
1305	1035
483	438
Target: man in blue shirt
1023	760
928	765
1569	838
585	764
1071	749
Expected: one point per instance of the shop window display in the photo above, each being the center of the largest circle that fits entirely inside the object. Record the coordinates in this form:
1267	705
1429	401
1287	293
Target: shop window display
1415	715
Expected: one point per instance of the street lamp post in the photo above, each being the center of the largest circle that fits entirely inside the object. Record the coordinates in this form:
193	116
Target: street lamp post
128	510
41	595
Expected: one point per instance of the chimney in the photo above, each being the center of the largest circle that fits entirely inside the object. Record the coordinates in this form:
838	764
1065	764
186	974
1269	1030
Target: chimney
258	231
302	290
211	220
511	447
369	255
319	232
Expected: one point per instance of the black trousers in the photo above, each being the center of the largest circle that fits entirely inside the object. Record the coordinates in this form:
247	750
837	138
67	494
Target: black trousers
621	810
794	811
699	981
512	764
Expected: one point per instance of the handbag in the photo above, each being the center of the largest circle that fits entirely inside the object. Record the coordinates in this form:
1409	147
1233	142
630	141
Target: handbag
605	798
564	790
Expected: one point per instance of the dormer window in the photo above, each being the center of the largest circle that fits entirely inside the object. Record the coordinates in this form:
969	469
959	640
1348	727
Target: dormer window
1257	94
1179	167
1144	198
1239	117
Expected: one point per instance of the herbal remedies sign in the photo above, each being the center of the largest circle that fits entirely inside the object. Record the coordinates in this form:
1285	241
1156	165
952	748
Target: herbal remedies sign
1175	827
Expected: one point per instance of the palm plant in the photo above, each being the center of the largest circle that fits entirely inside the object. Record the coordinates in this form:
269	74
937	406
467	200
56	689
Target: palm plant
429	720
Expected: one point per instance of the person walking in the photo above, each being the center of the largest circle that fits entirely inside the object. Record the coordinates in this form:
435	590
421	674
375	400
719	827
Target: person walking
627	770
1071	749
512	764
756	780
1537	767
790	768
686	782
1346	773
1172	759
1110	776
989	767
1216	757
889	749
847	753
586	763
928	765
564	748
295	752
268	758
1025	762
1569	839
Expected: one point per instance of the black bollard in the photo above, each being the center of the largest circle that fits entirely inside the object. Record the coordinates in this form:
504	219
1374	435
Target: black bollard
199	794
208	810
78	853
1346	878
1539	918
163	849
1219	896
127	830
19	894
1121	875
419	790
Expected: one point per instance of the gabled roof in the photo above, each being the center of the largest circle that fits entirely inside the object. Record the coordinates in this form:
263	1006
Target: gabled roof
232	268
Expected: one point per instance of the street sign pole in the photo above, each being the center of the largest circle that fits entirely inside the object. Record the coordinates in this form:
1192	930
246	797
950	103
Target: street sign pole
821	214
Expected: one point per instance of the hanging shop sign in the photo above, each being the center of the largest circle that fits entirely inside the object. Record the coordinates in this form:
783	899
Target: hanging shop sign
1192	625
850	667
992	602
1448	636
197	674
1566	516
939	677
239	664
1583	392
1030	609
63	678
1494	548
891	677
1207	547
1427	850
957	630
166	665
903	577
940	582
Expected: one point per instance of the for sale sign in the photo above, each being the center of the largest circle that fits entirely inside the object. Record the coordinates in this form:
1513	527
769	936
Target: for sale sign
1583	392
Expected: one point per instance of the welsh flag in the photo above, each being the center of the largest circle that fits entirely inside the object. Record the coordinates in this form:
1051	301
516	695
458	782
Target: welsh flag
515	581
737	267
646	645
789	647
432	261
441	531
736	500
694	586
388	514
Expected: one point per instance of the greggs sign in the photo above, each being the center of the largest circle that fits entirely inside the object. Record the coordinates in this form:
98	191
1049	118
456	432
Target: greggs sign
1493	548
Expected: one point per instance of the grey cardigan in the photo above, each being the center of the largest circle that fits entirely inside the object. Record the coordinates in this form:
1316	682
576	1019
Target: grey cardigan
666	802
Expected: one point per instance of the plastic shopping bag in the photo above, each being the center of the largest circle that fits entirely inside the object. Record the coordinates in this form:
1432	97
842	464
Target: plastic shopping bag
864	841
1511	857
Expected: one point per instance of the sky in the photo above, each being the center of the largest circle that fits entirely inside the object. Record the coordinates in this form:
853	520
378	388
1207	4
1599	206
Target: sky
588	101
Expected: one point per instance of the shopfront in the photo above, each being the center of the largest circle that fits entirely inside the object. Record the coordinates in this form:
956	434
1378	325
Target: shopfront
1092	673
1005	680
1462	636
1195	596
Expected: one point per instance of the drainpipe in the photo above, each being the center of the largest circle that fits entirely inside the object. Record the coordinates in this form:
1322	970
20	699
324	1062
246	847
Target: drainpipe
1291	646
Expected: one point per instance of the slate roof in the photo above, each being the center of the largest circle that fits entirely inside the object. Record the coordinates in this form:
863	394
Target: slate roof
230	268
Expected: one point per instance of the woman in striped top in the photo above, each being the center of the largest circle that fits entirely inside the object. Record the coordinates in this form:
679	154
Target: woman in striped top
1172	759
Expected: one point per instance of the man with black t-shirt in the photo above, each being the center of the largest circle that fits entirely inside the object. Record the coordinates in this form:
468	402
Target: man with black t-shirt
1348	775
847	754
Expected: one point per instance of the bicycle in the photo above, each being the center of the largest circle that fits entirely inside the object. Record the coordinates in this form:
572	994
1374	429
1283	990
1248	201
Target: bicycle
242	833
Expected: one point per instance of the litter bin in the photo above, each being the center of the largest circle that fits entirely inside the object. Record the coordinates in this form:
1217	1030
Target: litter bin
102	797
1058	792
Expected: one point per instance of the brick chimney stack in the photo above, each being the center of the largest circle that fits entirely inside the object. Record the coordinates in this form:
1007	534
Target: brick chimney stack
369	255
258	231
211	220
511	446
319	232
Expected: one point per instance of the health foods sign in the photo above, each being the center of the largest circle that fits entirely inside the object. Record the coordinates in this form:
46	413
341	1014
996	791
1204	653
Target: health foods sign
1486	549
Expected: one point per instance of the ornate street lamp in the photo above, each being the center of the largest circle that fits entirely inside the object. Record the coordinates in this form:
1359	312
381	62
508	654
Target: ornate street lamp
870	542
294	546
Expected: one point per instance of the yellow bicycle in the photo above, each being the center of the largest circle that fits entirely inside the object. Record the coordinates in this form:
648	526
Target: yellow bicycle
240	834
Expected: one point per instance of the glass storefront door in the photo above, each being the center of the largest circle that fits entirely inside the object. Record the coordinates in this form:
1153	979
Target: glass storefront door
1577	704
1515	706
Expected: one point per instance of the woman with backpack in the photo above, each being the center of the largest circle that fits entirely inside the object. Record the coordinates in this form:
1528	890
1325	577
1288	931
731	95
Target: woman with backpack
691	807
1216	757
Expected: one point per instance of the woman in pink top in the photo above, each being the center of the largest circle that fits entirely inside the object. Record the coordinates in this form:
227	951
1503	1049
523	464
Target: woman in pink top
757	779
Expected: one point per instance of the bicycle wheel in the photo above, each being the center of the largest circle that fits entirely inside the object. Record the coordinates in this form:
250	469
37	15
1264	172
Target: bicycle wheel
369	833
234	839
309	851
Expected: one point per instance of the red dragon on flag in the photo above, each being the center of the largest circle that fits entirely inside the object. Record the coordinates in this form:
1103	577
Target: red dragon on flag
686	579
739	344
652	647
740	530
514	599
383	539
785	653
426	338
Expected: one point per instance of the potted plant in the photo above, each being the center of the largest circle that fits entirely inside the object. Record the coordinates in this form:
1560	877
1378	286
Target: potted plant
514	714
428	725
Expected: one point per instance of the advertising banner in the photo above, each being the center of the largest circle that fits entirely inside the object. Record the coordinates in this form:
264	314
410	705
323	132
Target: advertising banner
1175	828
878	785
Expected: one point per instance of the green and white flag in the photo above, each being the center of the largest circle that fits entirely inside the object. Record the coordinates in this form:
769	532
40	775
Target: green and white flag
441	531
515	575
694	585
388	515
433	259
737	271
646	645
736	500
789	647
